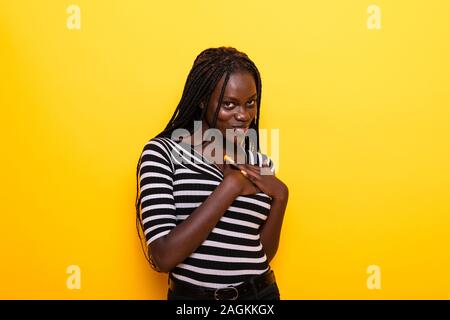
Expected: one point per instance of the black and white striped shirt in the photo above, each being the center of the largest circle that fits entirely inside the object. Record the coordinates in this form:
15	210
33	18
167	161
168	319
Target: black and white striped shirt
170	190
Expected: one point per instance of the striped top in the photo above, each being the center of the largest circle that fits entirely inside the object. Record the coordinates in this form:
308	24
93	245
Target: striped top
170	190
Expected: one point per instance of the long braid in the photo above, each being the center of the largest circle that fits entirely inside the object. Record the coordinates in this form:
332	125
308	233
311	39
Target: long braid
207	70
222	92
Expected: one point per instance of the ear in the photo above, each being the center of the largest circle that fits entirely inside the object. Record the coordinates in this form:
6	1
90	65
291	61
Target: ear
202	105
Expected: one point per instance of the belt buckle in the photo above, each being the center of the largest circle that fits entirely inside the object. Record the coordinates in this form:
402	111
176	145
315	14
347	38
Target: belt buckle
226	289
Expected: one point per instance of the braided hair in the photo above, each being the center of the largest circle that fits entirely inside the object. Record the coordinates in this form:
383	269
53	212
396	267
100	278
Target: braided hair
209	67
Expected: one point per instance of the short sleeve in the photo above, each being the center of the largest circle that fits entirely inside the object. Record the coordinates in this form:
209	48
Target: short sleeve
156	201
270	162
257	158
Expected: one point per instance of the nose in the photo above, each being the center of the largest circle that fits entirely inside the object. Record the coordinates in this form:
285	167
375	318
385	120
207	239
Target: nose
242	115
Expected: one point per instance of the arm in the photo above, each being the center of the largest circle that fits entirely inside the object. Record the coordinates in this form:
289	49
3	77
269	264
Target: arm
168	243
270	231
170	250
275	188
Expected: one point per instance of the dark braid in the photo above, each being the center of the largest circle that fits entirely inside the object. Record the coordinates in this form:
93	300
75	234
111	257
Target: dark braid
208	69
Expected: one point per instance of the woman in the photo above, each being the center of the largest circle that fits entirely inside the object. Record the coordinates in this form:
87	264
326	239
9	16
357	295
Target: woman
213	225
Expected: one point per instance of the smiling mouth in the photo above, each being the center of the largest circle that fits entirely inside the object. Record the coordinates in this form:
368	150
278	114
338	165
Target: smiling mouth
241	129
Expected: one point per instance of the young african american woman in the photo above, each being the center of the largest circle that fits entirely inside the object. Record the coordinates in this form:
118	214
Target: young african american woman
213	226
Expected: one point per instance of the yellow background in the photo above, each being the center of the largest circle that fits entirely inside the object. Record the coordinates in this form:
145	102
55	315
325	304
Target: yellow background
364	139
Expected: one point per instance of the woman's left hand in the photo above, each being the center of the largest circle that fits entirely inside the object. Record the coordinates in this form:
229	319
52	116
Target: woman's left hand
267	183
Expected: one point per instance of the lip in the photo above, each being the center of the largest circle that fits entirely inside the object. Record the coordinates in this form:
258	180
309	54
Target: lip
243	129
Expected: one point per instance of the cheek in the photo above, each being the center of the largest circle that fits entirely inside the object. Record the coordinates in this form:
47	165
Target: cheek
223	119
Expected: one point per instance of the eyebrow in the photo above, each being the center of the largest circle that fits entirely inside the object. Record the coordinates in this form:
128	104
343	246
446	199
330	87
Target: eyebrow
233	98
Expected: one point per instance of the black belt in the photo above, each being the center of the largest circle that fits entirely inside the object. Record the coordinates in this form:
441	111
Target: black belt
251	286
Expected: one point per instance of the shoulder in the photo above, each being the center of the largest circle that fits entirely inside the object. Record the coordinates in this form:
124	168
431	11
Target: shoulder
161	147
161	144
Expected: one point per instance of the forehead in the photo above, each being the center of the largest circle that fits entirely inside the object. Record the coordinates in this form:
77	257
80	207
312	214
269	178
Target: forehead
240	85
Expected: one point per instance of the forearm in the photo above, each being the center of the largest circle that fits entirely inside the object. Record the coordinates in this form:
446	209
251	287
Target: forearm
270	231
185	238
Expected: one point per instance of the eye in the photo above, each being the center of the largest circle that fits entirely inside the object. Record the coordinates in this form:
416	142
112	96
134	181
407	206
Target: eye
251	103
228	104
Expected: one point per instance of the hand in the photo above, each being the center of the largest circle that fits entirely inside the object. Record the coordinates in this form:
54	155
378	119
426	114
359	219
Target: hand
267	183
239	181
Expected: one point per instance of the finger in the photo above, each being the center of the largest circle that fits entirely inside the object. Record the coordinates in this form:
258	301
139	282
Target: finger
247	167
253	168
252	176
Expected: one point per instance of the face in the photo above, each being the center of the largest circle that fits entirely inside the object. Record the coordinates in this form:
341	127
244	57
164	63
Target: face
238	107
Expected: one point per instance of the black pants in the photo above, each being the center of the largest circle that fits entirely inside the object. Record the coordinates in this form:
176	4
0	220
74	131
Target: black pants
270	292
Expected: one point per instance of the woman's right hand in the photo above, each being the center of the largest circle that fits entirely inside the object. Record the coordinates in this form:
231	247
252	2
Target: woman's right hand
238	180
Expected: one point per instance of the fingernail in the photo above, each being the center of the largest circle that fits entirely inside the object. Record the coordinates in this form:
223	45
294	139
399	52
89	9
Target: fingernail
227	158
